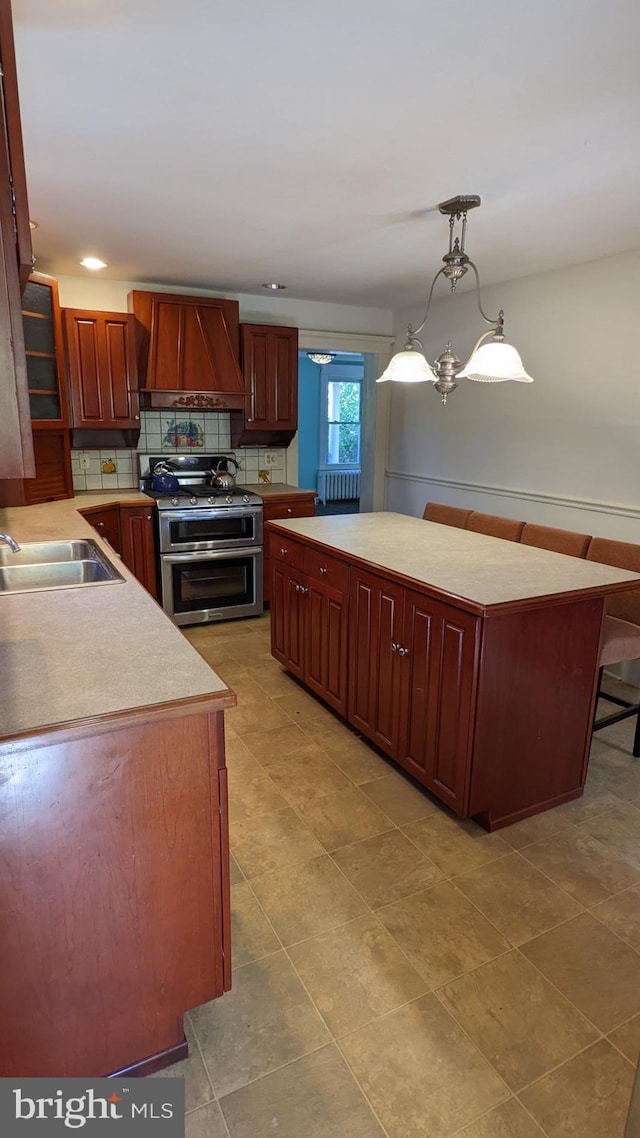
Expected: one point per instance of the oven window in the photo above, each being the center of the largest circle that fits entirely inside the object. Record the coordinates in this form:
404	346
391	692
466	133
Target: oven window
215	584
217	527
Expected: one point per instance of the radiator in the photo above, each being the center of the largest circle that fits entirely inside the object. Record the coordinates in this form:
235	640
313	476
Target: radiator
338	485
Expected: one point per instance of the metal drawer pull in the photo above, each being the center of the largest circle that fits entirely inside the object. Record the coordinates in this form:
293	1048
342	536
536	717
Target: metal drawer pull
283	552
322	569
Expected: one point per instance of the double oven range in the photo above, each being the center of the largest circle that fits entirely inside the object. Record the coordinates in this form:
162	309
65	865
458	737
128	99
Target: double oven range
210	542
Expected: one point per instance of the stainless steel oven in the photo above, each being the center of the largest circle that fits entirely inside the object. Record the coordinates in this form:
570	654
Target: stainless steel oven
210	542
211	585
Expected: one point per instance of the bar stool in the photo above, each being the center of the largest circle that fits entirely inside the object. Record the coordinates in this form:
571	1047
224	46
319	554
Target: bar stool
509	529
565	541
446	515
621	631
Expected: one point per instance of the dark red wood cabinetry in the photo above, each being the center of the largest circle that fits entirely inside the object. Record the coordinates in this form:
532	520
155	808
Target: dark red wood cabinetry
131	532
269	356
276	507
188	345
101	360
309	625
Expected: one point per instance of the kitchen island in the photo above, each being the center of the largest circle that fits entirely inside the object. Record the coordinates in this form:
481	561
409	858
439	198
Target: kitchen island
470	661
113	821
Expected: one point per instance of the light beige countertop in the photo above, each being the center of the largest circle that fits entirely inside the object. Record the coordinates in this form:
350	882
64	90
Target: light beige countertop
276	490
74	654
484	571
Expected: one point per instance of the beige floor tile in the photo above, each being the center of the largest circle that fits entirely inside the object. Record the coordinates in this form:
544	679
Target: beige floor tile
507	1121
535	829
275	840
299	705
305	777
592	967
258	714
265	1021
272	677
280	743
235	749
325	725
582	866
588	1097
236	875
400	799
306	899
420	1073
315	1097
622	914
355	974
516	898
251	934
206	1123
442	933
386	867
596	799
197	1085
517	1019
619	829
618	771
627	1039
251	791
356	758
455	844
338	819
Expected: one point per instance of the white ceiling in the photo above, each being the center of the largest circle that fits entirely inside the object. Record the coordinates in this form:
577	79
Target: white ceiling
223	145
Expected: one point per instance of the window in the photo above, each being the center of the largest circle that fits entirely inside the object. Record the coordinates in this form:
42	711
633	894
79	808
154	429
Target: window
342	408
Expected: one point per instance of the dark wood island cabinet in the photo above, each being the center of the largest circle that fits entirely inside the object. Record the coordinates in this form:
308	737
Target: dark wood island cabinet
470	661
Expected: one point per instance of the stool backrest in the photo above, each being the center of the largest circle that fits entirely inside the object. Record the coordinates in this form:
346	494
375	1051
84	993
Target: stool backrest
624	555
446	515
558	540
507	528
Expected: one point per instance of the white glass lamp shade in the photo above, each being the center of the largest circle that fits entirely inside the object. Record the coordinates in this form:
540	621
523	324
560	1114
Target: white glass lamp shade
495	362
408	366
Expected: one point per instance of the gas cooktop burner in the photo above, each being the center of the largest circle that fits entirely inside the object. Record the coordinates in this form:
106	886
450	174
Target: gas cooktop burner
195	478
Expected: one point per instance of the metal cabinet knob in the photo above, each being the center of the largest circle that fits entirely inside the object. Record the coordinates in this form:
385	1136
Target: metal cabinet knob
136	416
394	647
289	510
403	651
304	589
249	420
149	517
283	552
323	569
99	525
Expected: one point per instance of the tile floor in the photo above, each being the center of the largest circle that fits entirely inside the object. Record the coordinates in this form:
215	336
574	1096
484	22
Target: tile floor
398	972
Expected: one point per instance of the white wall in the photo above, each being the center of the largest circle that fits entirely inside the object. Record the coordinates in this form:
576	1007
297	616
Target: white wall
106	295
564	450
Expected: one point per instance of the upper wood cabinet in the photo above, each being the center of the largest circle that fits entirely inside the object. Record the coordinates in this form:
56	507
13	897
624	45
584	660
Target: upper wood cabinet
188	344
44	351
16	447
101	360
269	356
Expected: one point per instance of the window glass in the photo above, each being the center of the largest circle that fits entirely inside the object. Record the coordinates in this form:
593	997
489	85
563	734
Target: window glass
343	419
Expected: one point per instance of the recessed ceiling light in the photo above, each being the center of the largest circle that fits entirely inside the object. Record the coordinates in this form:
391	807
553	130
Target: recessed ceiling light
93	263
273	286
33	224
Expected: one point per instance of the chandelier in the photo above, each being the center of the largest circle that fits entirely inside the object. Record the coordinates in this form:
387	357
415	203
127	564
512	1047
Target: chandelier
492	362
321	357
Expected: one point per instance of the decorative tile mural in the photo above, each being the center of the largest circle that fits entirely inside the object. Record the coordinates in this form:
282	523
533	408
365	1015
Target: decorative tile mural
183	433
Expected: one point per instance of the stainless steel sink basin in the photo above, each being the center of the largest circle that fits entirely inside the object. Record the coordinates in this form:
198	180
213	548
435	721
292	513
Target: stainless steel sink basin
68	572
44	552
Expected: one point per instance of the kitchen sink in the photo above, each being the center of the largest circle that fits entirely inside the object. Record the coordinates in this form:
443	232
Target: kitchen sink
65	573
44	552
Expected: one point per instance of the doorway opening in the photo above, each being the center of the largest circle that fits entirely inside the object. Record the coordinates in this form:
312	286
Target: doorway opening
330	416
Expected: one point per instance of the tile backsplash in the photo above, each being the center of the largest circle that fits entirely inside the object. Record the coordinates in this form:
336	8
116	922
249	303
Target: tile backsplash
166	432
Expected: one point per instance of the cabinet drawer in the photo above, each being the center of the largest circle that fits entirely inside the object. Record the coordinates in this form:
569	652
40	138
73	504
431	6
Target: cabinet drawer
326	569
281	548
288	508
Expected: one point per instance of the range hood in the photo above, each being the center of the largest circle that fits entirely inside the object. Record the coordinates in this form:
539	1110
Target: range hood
188	351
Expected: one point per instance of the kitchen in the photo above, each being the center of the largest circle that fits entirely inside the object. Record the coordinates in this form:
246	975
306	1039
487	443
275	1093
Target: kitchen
276	774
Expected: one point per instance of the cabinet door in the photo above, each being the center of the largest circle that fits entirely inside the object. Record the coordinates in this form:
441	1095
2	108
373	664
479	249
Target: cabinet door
21	230
42	329
187	343
138	545
107	523
273	509
270	370
375	629
325	673
436	697
102	368
287	624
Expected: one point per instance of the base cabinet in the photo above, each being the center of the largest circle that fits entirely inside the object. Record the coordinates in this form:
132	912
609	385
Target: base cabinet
131	532
114	866
309	628
276	508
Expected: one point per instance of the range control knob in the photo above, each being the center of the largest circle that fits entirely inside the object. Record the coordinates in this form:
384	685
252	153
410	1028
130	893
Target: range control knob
245	498
193	500
210	501
175	502
229	499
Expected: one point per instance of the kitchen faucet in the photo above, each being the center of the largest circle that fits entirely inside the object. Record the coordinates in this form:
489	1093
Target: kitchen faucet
13	545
